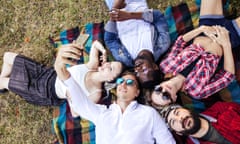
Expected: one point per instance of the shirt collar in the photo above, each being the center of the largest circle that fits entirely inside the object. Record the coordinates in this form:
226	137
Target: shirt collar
132	106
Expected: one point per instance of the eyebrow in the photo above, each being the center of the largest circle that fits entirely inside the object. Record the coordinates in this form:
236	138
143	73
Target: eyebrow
174	111
170	122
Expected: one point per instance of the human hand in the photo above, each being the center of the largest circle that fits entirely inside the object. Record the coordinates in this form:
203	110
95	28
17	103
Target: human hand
67	54
208	30
119	15
222	36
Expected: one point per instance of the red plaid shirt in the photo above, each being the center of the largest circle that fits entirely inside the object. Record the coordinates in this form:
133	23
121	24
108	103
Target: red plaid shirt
202	81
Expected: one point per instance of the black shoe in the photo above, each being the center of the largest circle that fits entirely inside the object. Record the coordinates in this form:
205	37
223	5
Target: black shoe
2	91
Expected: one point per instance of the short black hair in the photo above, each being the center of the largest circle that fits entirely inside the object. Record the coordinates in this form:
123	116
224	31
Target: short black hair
157	78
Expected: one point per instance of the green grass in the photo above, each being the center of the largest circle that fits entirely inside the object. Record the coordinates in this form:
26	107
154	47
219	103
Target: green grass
25	26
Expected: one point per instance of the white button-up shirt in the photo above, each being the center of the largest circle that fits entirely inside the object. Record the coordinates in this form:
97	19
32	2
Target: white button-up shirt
138	124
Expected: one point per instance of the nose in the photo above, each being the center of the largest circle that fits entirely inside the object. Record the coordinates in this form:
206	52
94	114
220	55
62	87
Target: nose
179	118
123	84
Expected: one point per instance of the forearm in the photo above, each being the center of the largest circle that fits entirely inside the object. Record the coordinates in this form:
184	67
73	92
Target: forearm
96	50
118	4
80	102
121	15
192	34
62	73
228	59
135	15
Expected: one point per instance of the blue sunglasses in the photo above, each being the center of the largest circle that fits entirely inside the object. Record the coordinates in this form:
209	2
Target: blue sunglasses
129	82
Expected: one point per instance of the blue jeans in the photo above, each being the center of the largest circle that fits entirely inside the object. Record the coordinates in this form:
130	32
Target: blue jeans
161	38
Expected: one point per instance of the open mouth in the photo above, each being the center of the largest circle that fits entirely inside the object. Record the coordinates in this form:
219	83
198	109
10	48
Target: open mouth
186	122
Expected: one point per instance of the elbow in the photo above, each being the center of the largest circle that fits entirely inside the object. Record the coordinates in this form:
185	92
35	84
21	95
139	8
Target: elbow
230	69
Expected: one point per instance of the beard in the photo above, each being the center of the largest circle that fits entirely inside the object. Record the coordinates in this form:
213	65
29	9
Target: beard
196	125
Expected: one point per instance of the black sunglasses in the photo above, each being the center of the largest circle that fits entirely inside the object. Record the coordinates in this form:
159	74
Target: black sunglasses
165	95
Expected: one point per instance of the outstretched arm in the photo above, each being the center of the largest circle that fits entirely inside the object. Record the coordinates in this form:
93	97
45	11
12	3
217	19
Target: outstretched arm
79	102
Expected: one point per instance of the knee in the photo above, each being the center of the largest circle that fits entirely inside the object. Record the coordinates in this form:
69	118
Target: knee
238	21
9	56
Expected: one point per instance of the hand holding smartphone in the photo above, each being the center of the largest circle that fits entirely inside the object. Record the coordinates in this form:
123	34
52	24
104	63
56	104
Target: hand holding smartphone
82	39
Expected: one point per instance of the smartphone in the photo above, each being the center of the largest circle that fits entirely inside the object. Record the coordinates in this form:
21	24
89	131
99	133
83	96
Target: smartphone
82	39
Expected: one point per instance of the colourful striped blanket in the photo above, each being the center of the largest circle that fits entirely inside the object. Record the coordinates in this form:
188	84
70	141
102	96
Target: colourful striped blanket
181	18
71	130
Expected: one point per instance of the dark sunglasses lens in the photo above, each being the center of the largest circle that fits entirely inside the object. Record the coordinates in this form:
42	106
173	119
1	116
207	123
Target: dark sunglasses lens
166	96
129	82
158	89
119	81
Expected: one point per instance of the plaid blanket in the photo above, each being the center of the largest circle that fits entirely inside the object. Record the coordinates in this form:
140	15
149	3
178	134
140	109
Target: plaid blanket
70	130
181	19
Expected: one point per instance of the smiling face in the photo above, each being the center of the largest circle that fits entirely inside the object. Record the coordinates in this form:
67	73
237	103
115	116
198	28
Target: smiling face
183	121
142	68
110	70
147	71
127	91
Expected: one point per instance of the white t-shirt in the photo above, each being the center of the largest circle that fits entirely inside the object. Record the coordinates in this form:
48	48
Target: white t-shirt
78	72
136	35
139	124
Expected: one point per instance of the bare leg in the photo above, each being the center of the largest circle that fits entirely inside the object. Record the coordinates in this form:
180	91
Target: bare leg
4	83
238	21
8	60
211	7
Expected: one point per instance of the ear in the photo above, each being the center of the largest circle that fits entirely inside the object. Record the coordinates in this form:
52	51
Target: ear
137	93
155	66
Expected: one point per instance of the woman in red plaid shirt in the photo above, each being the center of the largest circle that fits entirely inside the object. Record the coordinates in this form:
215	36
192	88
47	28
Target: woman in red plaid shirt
195	57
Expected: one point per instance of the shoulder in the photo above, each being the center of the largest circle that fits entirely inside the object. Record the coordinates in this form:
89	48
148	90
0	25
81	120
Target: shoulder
147	108
78	68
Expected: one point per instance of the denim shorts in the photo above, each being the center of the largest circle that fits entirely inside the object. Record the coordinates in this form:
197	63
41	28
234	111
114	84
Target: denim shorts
230	25
34	82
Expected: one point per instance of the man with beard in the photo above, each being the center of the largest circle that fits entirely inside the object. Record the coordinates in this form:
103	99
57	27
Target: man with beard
219	124
137	36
